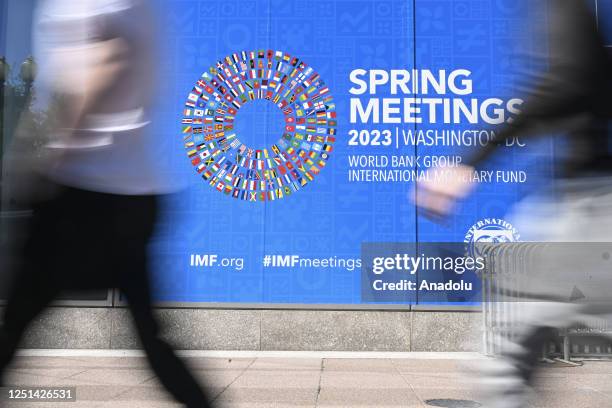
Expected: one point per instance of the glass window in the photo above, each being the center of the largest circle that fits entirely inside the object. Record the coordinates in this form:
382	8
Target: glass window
17	73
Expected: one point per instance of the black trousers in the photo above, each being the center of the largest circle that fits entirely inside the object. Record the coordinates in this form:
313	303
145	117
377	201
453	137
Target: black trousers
83	240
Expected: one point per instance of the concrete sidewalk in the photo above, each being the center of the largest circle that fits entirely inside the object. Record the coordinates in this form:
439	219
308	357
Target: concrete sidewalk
262	381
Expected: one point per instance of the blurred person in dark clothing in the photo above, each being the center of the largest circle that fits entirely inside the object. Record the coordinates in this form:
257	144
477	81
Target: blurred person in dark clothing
572	96
92	189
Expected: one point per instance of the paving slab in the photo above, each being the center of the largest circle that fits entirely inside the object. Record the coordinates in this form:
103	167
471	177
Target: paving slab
269	395
116	376
257	382
286	364
278	379
367	365
358	397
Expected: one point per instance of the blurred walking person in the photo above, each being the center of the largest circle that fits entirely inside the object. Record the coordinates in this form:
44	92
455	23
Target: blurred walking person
92	189
571	96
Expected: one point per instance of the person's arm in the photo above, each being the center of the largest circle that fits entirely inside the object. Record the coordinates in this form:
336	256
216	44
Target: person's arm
84	72
562	99
563	95
80	53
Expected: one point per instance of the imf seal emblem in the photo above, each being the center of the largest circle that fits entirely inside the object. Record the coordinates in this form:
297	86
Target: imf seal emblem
489	230
303	146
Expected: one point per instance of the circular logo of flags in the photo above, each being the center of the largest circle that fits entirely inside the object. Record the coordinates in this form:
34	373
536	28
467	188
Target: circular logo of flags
303	146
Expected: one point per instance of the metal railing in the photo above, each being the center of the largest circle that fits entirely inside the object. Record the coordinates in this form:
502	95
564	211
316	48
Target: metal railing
591	337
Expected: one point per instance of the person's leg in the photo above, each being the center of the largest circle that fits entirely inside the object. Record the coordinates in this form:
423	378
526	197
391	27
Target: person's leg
508	379
26	301
524	357
135	225
32	288
170	370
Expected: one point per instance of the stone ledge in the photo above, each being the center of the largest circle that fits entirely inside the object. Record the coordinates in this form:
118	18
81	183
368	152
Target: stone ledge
239	329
